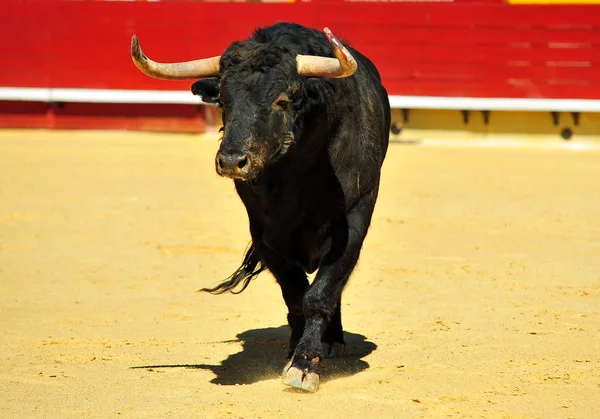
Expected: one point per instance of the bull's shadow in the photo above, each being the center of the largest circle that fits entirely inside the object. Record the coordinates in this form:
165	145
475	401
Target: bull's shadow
263	357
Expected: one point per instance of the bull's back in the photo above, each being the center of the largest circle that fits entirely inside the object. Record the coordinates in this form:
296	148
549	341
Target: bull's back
369	116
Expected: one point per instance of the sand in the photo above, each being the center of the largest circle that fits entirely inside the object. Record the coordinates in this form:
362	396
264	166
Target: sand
477	293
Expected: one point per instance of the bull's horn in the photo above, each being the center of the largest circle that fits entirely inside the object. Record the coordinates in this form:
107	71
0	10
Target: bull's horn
197	69
332	68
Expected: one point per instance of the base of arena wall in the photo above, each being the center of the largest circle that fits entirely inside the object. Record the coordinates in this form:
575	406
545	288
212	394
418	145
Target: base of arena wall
406	124
417	123
141	117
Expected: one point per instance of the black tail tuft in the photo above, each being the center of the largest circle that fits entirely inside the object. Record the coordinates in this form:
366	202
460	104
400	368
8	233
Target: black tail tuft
251	267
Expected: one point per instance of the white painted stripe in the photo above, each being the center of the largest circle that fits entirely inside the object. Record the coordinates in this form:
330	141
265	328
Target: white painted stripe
99	95
25	94
124	96
398	102
494	104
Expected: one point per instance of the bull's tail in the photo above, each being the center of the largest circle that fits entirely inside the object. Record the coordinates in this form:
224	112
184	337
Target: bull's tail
251	267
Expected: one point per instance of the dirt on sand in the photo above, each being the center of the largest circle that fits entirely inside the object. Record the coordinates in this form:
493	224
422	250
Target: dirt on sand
477	293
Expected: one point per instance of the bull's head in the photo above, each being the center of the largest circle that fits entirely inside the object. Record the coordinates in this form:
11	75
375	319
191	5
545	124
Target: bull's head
259	90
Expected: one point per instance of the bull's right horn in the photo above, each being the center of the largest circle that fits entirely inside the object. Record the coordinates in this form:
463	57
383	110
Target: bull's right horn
197	69
344	65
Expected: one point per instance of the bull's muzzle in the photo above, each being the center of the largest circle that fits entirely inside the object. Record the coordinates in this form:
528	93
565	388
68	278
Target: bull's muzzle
233	165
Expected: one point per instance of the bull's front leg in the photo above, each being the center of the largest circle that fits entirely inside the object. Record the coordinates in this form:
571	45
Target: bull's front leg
293	284
321	302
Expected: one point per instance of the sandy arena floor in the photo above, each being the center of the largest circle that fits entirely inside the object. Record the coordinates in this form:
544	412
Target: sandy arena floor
477	293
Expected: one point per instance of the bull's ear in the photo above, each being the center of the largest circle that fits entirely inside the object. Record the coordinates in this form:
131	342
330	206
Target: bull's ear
207	89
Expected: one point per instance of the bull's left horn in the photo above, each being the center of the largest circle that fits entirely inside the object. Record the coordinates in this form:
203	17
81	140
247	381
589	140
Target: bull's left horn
197	69
332	68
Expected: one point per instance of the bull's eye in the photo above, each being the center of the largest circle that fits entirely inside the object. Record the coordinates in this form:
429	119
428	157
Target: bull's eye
282	102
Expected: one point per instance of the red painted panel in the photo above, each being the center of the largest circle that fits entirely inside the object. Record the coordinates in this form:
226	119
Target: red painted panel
163	118
482	48
533	53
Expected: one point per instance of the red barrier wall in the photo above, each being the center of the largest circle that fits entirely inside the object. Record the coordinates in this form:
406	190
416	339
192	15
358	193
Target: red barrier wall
138	117
484	48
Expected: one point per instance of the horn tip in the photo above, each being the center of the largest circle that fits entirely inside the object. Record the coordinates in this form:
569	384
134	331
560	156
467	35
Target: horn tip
330	36
136	51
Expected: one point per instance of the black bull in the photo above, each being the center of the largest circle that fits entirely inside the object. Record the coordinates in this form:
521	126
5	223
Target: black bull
305	154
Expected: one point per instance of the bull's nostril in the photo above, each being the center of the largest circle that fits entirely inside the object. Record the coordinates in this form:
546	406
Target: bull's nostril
220	163
243	161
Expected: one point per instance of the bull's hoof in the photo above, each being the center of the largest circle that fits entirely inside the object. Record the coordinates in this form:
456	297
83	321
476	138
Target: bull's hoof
336	350
300	374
